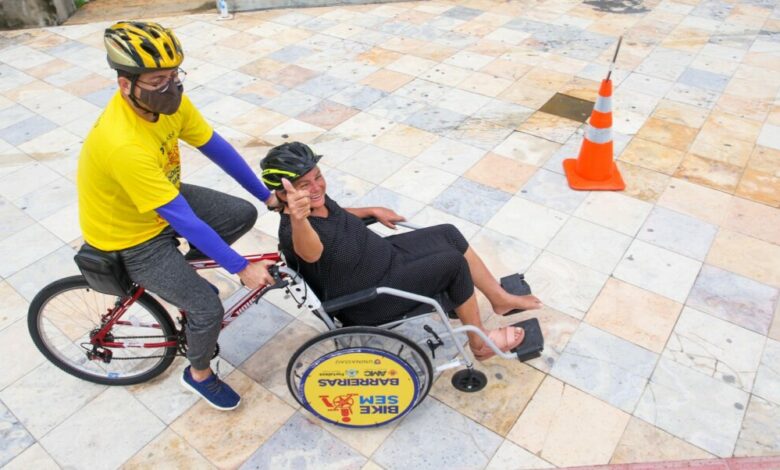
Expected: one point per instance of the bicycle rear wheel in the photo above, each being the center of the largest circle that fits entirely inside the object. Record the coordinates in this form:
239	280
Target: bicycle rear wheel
65	314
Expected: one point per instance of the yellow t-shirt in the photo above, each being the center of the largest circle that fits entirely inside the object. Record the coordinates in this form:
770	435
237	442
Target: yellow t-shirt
128	167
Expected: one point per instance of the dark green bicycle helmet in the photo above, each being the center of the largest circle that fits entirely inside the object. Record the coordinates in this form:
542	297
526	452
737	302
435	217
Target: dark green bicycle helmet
290	160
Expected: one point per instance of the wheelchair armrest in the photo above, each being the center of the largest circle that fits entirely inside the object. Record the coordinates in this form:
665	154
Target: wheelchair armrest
370	220
334	305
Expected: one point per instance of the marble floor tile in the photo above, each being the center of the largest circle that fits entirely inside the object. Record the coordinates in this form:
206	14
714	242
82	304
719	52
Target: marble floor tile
511	385
451	438
500	172
589	244
358	96
322	450
703	203
767	384
429	216
526	93
680	113
14	114
479	133
167	450
15	342
406	140
383	197
646	84
485	84
25	247
605	366
420	182
614	311
615	211
450	155
704	79
693	95
652	156
760	186
251	330
549	127
658	270
550	189
342	187
374	164
669	134
327	114
15	438
292	103
734	298
502	254
364	127
526	148
268	366
445	74
76	442
26	130
514	217
704	171
230	449
747	256
503	113
12	219
387	80
715	348
461	101
565	285
759	434
13	307
33	457
511	455
642	442
44	202
471	201
700	409
436	120
769	136
678	232
396	108
565	426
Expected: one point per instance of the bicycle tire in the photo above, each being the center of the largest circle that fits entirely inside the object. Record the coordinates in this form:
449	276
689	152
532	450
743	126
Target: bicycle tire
419	360
78	365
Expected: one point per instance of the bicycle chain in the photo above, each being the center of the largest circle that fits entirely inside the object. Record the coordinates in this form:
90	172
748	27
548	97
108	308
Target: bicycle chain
178	353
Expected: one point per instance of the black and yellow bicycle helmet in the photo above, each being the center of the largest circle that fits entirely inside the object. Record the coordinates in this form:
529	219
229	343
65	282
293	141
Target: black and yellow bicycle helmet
290	160
137	47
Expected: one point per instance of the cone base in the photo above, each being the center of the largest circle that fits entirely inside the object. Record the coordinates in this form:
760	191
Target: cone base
613	183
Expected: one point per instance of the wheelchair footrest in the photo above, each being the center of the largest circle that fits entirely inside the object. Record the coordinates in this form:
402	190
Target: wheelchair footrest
533	343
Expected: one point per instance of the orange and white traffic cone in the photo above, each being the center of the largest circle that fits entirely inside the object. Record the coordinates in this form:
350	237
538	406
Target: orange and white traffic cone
594	168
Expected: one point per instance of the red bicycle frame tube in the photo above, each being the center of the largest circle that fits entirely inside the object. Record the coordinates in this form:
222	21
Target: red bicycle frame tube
230	314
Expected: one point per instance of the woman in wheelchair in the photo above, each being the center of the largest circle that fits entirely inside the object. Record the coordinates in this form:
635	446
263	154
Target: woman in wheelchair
338	255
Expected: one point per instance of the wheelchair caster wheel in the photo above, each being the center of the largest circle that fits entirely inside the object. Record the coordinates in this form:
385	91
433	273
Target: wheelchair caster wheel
469	380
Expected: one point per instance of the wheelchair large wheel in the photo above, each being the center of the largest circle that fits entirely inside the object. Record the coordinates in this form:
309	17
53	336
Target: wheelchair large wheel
359	376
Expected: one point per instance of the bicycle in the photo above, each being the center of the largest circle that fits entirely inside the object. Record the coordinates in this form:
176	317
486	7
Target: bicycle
115	339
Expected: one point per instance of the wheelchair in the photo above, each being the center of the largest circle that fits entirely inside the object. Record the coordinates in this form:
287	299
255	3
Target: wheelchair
368	376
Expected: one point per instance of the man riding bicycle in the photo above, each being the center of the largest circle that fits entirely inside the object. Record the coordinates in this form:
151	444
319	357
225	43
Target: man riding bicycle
131	200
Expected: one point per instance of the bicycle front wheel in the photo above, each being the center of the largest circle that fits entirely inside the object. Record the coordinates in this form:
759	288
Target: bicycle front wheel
65	315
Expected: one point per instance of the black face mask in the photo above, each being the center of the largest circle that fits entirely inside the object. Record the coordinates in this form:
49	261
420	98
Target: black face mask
162	103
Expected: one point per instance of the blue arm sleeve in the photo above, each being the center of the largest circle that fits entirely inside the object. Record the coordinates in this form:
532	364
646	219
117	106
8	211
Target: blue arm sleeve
179	214
223	154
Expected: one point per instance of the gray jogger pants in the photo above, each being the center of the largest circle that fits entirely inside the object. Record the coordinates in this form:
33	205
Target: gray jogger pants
159	266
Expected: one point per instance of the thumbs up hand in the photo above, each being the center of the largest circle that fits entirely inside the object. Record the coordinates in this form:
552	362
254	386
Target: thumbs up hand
298	202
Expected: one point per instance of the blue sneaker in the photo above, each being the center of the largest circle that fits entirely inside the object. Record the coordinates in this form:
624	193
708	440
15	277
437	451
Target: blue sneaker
216	392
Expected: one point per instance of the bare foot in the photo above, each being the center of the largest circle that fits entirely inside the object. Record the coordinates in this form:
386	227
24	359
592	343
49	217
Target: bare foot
517	302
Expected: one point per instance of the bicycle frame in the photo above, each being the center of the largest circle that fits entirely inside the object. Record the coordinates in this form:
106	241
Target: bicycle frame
113	316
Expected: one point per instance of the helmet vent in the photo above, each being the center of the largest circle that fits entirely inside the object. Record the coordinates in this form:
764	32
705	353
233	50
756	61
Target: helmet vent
168	51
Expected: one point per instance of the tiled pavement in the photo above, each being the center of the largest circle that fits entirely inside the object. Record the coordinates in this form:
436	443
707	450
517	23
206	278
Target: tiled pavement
662	323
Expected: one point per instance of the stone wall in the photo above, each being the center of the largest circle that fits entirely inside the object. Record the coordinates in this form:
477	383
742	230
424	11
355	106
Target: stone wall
32	13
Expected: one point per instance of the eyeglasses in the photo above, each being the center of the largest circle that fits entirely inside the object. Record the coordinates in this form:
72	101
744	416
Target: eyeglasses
161	84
